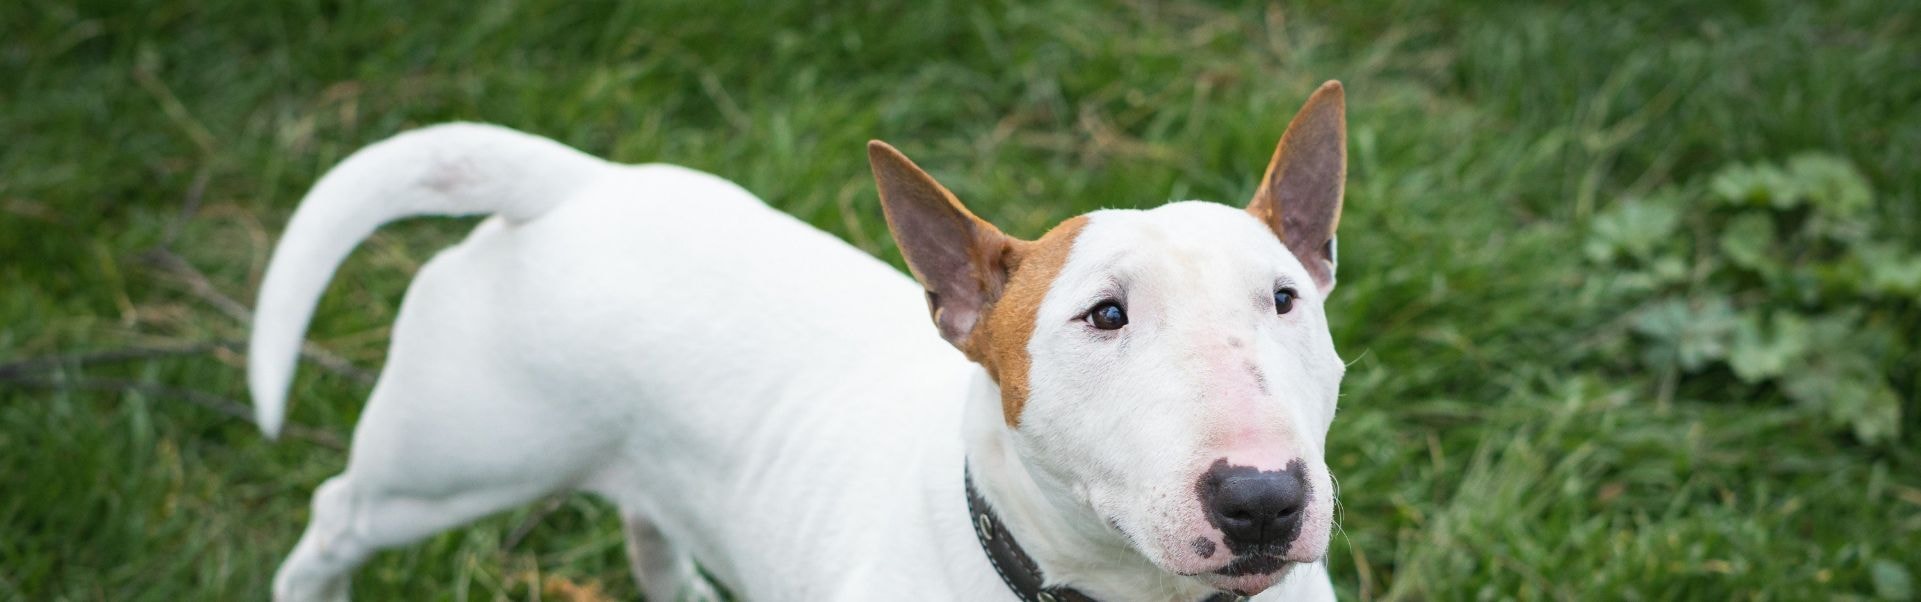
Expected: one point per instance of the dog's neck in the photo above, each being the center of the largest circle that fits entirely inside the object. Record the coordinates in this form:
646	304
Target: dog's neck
1070	543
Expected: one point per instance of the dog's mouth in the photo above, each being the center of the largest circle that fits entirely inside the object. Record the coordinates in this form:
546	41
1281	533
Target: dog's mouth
1258	564
1249	575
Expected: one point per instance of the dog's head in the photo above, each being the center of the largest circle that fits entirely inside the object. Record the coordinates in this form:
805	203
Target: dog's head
1170	367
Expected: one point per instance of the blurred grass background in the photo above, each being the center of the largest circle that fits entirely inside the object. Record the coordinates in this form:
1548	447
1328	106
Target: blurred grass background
1515	424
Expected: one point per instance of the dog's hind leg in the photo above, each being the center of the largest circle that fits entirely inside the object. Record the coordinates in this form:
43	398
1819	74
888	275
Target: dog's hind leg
451	433
320	566
433	451
664	572
352	520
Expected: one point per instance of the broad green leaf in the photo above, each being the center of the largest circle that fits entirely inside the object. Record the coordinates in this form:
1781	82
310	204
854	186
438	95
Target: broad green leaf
1746	242
1689	335
1635	228
1668	269
1759	354
1830	184
1878	417
1890	271
1755	185
1844	380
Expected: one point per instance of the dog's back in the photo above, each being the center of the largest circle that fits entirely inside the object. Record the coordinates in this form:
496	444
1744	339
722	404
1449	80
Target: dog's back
655	334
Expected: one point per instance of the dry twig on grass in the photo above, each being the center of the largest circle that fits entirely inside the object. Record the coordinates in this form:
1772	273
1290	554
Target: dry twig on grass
198	284
216	403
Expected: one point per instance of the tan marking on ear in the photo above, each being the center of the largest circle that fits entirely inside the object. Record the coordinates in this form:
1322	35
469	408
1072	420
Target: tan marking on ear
956	256
984	288
1000	343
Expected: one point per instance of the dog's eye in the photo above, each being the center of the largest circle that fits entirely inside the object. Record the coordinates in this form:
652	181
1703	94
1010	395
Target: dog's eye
1283	300
1107	316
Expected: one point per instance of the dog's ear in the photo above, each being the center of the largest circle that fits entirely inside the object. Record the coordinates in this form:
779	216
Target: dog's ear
1300	195
960	259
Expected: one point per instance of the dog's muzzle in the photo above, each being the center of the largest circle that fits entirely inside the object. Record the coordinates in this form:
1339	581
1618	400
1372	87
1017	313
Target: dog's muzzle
1259	512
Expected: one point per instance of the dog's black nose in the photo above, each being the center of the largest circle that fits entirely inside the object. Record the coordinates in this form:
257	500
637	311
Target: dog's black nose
1259	511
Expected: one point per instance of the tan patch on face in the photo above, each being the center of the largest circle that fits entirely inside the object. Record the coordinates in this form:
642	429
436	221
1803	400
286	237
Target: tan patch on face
1000	342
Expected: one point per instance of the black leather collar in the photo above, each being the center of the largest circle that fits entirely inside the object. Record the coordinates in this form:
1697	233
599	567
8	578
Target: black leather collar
1013	564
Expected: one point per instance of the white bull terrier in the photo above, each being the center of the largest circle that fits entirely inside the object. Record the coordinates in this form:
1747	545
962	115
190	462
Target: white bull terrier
1136	411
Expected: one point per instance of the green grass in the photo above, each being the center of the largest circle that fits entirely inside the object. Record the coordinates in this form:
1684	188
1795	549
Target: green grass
1491	444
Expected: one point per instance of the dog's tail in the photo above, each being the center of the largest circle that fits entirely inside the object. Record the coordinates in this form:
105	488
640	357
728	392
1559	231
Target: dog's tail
451	169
